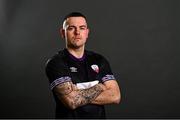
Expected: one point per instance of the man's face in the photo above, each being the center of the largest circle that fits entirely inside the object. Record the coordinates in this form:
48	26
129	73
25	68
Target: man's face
75	32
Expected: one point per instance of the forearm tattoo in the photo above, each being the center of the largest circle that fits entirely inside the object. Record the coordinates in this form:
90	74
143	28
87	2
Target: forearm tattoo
77	97
64	88
85	96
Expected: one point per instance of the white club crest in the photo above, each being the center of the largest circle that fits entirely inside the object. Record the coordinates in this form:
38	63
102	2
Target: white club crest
95	68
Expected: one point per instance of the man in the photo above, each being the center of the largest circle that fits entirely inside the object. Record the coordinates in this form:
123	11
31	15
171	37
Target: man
81	81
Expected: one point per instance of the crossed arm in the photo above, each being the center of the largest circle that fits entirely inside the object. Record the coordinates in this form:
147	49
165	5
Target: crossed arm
100	94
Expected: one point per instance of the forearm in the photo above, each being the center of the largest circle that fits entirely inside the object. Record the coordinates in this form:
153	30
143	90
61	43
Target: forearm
82	97
72	97
106	97
109	96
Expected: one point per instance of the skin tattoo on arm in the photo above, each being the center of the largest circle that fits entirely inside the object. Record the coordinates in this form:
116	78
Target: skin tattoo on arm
85	96
73	97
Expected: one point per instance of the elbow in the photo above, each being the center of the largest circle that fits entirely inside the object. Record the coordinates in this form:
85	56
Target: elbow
69	102
117	99
71	105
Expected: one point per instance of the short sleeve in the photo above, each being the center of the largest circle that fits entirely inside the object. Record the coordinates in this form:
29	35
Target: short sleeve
105	72
57	72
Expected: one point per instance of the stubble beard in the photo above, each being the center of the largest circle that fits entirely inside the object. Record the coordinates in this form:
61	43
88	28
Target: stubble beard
75	46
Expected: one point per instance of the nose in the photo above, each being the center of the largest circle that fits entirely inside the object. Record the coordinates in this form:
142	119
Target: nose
77	31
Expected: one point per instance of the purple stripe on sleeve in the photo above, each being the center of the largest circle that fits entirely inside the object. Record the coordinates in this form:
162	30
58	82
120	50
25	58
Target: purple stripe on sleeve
108	77
60	81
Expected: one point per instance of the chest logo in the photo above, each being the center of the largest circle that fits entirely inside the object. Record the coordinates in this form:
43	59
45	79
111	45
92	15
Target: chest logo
73	69
95	68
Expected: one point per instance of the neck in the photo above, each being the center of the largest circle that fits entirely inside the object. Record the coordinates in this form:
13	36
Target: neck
78	52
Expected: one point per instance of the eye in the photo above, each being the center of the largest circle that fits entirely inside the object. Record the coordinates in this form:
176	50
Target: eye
70	28
83	28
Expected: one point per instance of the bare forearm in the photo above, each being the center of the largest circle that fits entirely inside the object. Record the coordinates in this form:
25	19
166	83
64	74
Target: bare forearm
110	95
106	97
72	97
85	96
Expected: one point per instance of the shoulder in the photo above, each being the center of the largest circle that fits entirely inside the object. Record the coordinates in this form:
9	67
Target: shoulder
58	58
95	55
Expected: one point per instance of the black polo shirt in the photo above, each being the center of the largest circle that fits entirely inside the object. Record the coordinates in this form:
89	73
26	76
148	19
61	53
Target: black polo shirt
64	67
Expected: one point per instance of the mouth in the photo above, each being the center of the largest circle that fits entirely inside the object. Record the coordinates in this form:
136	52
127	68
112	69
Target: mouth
77	38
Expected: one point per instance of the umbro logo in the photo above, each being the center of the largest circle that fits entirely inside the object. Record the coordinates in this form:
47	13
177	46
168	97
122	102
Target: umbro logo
73	69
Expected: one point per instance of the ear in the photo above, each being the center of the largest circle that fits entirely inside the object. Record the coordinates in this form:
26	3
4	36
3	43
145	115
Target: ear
87	34
62	32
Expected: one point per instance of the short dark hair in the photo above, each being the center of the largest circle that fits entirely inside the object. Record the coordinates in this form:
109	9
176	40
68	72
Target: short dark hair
74	14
